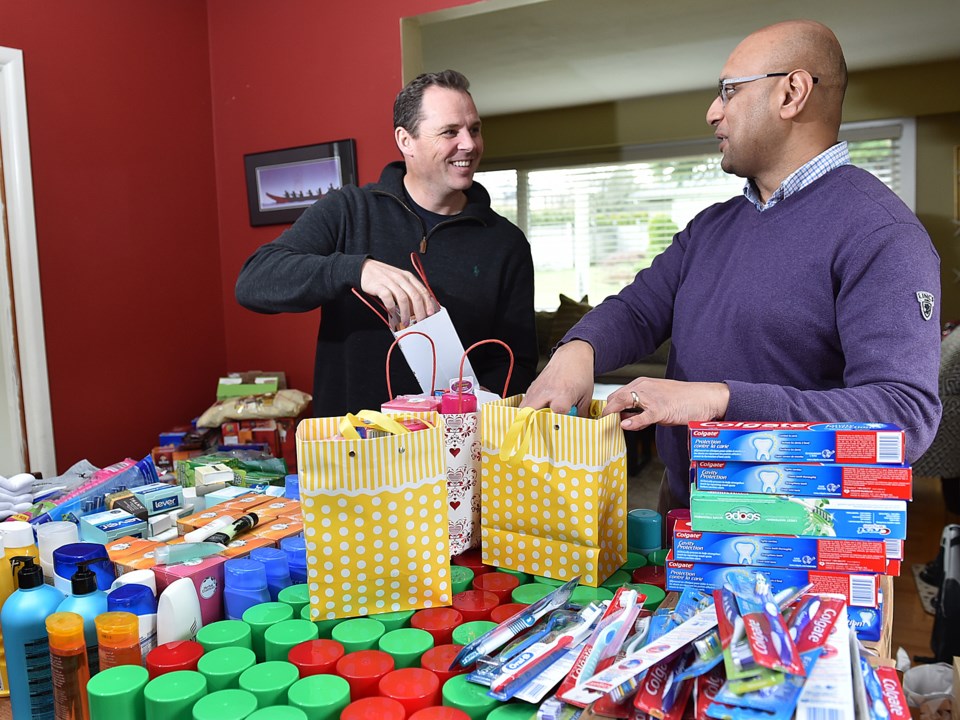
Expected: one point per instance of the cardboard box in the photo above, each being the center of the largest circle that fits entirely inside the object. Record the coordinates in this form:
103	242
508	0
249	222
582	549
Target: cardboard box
207	577
242	546
276	529
253	382
105	527
159	497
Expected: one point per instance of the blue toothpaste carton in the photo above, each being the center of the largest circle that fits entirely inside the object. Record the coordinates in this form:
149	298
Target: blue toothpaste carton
159	497
876	482
797	442
858	589
104	527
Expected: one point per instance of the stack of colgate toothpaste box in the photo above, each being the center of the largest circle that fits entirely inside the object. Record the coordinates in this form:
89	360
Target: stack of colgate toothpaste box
820	503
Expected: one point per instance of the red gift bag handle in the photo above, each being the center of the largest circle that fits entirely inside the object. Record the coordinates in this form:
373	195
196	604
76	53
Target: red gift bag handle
433	348
463	359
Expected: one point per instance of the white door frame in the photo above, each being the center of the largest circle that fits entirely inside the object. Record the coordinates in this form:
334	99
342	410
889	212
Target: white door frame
36	426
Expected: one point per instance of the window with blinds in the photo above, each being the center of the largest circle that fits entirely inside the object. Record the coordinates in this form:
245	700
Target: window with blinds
593	227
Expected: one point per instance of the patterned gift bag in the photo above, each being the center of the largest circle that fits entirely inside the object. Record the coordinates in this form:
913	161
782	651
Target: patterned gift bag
375	517
553	492
461	441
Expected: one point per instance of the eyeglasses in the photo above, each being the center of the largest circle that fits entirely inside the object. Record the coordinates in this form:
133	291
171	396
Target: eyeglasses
726	88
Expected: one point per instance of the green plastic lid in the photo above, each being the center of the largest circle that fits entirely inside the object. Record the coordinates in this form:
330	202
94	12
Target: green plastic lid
620	577
223	667
324	627
634	561
461	578
117	692
280	712
583	595
174	693
514	710
406	645
296	596
320	696
225	633
394	620
469	631
261	616
658	557
279	638
655	595
531	592
470	697
521	576
230	704
548	581
358	634
269	681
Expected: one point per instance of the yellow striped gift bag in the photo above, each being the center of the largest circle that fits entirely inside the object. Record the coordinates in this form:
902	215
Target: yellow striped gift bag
374	516
553	492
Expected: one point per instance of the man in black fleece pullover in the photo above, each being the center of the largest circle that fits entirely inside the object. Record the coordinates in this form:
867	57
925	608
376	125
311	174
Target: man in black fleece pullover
478	264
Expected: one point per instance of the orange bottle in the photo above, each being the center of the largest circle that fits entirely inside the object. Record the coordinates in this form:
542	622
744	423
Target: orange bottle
118	634
68	665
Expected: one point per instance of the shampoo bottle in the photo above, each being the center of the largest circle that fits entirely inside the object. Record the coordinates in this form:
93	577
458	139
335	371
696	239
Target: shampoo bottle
25	636
68	666
139	600
88	601
6	588
19	542
119	636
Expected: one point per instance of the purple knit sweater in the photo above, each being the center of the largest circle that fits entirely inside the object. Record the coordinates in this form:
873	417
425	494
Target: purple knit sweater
808	311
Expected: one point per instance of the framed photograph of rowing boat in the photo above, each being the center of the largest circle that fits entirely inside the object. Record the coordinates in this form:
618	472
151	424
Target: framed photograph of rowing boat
281	184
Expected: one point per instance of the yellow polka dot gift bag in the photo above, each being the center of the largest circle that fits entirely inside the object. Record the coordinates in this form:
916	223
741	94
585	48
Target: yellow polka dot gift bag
374	514
553	492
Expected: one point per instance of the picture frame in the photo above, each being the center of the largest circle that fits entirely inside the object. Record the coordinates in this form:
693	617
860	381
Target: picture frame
281	184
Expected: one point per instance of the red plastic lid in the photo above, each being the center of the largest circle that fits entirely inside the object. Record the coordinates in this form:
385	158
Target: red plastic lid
314	657
500	584
439	659
373	708
475	604
506	610
439	713
473	560
362	670
439	622
414	688
176	655
651	575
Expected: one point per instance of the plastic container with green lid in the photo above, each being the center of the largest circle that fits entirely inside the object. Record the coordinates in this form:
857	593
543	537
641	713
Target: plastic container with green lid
658	557
225	633
583	595
324	627
280	638
223	666
531	592
279	712
230	704
522	577
553	582
634	560
461	578
460	693
655	595
394	620
296	596
321	697
269	681
406	645
173	694
470	631
617	579
118	693
514	710
358	634
261	616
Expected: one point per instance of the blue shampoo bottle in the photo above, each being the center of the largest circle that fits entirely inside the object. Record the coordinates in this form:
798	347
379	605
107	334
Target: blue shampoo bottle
23	619
87	601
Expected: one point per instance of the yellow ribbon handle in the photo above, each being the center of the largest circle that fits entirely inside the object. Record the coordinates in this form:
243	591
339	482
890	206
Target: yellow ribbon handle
517	439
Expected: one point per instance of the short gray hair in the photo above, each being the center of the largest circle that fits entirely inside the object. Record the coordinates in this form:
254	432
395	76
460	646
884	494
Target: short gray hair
406	108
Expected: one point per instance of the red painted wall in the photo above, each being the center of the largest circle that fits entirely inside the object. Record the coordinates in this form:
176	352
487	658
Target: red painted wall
121	135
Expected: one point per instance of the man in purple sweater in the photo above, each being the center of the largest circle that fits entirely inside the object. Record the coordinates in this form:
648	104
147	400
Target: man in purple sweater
815	297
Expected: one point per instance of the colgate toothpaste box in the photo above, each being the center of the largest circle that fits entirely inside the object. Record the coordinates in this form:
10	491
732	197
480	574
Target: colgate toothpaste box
797	442
870	482
861	590
786	551
806	517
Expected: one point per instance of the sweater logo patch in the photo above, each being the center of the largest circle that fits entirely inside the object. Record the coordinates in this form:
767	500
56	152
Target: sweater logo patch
926	304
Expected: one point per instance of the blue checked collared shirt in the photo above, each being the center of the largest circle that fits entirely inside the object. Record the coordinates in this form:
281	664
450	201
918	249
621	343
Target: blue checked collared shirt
831	158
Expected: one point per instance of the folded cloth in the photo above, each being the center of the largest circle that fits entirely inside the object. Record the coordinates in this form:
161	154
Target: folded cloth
16	484
15	499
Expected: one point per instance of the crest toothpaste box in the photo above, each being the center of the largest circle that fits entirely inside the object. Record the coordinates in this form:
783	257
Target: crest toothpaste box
806	517
804	553
871	482
861	590
797	442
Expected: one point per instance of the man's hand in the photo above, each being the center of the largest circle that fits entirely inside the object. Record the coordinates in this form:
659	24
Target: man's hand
566	381
646	401
401	292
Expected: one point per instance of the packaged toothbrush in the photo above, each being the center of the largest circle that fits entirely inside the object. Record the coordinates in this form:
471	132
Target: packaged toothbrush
705	689
661	694
770	642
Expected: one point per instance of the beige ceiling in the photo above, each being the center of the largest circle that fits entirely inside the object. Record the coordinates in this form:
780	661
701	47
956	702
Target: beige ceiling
536	54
